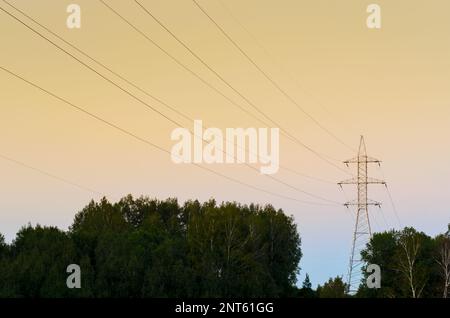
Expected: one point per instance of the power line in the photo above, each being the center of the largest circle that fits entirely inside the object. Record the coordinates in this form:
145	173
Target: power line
394	208
277	63
270	79
50	175
152	108
384	218
268	54
160	101
101	64
92	69
149	143
195	74
228	84
308	176
158	112
179	63
347	208
286	133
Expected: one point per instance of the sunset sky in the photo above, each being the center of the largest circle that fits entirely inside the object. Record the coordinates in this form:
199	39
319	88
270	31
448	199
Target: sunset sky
390	85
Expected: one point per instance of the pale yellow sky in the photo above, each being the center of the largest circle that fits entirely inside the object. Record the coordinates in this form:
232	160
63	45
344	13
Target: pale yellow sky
390	85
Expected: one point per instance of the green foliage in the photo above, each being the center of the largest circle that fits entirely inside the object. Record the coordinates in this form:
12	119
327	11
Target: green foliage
37	263
3	246
306	291
149	248
307	283
334	288
409	264
3	267
381	250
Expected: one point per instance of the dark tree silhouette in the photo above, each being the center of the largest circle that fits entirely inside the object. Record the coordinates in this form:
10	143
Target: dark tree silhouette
411	264
150	248
333	288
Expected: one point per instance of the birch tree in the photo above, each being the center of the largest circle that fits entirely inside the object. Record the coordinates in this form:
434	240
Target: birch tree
410	245
444	260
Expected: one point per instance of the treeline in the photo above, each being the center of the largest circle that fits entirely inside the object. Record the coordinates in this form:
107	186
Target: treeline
413	265
150	248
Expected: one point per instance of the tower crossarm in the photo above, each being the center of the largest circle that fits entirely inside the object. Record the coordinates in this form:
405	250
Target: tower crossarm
375	181
348	181
369	202
366	181
362	159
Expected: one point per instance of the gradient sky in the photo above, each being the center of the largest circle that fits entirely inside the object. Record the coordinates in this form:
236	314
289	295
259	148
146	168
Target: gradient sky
391	85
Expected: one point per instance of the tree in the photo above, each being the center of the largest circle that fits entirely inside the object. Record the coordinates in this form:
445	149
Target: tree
415	262
407	259
443	259
3	268
149	248
3	247
381	250
334	288
410	245
39	258
231	243
307	283
306	291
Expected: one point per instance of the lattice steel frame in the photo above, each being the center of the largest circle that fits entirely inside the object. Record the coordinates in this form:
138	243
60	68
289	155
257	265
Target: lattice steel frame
362	232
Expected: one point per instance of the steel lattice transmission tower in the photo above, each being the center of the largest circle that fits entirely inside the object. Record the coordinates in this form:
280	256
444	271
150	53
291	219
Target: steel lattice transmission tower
362	232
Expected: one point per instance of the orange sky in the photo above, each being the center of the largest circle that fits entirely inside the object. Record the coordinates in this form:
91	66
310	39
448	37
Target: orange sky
390	85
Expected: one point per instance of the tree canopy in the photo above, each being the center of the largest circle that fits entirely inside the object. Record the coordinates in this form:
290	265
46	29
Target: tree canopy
333	288
141	247
149	248
412	264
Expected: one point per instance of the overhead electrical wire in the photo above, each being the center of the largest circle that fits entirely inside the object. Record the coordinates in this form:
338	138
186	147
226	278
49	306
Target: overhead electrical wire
193	73
228	84
151	107
394	207
384	218
269	78
148	142
91	68
50	175
283	70
179	63
159	100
